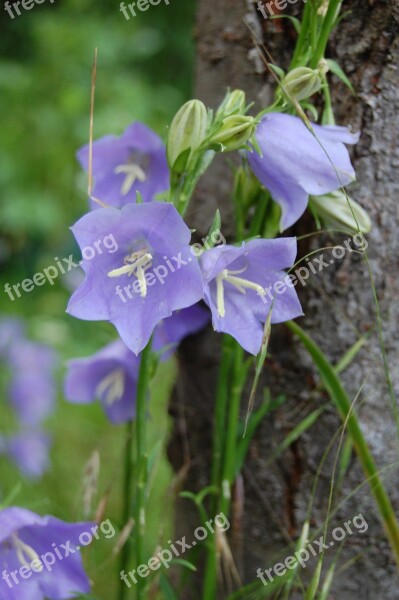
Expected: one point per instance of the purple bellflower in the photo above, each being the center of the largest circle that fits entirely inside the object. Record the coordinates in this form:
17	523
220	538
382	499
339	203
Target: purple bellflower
295	165
171	331
39	557
32	390
242	284
29	450
152	273
122	166
11	329
111	376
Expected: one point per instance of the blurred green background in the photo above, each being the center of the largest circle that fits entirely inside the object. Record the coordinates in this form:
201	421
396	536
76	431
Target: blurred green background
145	68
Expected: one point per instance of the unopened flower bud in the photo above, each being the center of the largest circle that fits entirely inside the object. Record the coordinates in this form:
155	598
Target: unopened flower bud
233	103
335	210
186	134
301	83
234	133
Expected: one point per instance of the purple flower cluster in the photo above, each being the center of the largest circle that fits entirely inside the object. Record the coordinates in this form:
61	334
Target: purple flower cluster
39	557
31	395
127	289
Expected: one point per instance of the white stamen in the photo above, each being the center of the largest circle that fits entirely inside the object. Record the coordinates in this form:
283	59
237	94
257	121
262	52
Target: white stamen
112	386
135	264
133	172
26	554
238	282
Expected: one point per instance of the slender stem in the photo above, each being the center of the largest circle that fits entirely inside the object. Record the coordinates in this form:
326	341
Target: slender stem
229	454
210	577
141	458
326	29
302	36
127	504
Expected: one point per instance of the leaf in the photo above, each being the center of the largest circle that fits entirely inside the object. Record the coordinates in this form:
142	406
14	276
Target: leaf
184	563
339	397
215	228
167	590
336	69
296	22
260	359
297	432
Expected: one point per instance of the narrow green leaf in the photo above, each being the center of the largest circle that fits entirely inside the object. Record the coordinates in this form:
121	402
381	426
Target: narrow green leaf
293	435
336	69
340	398
184	563
167	590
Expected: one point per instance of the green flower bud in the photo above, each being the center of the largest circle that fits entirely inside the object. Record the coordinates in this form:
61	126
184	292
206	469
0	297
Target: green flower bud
334	210
186	134
301	83
234	102
234	133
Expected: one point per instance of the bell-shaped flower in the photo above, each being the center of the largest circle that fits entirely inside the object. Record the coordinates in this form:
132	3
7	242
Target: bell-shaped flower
110	376
11	329
40	558
122	166
152	273
32	390
295	163
242	284
171	331
29	450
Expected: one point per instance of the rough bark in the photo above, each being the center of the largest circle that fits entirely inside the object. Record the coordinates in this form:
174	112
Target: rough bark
338	305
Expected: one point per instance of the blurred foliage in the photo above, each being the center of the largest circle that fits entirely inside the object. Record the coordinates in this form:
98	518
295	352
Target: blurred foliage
144	73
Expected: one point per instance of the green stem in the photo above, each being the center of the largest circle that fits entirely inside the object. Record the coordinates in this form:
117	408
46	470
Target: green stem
141	458
302	36
127	504
210	577
328	24
229	453
338	394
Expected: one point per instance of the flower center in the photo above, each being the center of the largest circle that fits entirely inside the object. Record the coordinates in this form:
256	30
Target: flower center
238	282
135	169
133	173
25	554
135	264
111	388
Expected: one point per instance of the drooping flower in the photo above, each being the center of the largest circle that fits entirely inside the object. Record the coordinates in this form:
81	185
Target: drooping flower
122	166
32	390
152	273
29	450
171	331
39	557
110	376
294	163
242	284
11	329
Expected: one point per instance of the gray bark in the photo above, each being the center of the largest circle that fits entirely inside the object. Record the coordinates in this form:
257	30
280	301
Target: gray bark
338	305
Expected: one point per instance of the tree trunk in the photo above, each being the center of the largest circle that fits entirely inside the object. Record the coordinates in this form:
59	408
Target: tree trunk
338	304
